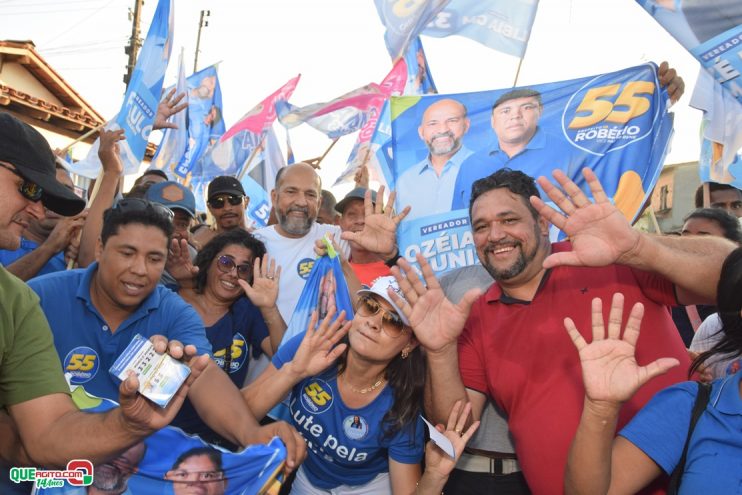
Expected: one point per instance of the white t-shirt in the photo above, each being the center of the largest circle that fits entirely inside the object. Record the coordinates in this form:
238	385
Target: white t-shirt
296	258
706	337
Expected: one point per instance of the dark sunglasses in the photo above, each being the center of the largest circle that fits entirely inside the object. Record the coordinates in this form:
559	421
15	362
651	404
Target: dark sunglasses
128	205
218	202
28	189
391	323
225	264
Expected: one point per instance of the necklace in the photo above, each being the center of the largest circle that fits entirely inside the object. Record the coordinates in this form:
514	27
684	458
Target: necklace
366	389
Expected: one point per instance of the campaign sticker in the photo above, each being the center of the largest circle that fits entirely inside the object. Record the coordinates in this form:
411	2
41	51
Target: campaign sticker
316	395
81	365
304	267
355	427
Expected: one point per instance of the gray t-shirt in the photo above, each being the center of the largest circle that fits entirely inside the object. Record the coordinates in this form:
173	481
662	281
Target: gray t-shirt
493	434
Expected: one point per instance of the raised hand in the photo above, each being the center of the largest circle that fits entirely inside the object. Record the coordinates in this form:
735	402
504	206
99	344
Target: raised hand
670	78
263	292
437	462
436	321
108	150
599	232
609	368
167	108
143	415
179	264
320	348
379	234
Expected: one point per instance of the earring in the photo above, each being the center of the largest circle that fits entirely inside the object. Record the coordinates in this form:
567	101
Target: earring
406	352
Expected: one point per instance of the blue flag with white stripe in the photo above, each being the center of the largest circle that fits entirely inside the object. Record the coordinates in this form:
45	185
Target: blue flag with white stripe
137	114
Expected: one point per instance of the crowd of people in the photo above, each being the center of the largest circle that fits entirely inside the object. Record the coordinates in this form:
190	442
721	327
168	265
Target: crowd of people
487	353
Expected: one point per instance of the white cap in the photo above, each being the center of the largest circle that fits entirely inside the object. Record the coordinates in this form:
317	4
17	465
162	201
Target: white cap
380	286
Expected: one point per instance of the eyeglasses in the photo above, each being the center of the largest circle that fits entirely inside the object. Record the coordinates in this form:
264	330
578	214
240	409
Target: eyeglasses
128	205
391	322
218	202
29	190
225	264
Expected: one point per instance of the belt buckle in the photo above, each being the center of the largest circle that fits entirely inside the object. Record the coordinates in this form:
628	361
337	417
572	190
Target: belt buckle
502	466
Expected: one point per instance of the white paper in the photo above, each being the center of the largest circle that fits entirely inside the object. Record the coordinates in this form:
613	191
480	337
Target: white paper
440	439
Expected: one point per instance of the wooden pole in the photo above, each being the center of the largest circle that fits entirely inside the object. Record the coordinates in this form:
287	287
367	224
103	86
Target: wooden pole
314	162
706	195
254	153
655	223
84	136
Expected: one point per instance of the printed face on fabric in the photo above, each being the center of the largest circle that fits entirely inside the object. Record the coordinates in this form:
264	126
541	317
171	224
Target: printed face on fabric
197	475
515	121
232	262
506	235
443	125
130	265
296	199
15	209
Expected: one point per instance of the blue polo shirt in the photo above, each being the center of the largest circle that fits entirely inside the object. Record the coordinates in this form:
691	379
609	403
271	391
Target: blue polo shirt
85	344
55	264
543	153
422	188
714	462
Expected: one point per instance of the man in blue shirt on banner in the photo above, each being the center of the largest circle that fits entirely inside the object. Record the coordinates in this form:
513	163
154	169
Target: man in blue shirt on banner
443	125
519	144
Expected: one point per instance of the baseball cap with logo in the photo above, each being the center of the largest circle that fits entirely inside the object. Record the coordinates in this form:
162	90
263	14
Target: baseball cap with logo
23	147
357	193
173	195
380	286
225	184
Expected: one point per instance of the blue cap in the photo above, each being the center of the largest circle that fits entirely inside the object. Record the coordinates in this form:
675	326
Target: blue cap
173	195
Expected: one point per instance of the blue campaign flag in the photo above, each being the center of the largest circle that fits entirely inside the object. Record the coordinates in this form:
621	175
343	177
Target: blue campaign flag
174	142
404	21
419	78
260	180
617	124
503	25
205	121
142	96
160	464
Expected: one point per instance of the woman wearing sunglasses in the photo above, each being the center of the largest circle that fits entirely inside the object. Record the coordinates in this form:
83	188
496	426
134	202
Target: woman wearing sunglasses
230	266
357	401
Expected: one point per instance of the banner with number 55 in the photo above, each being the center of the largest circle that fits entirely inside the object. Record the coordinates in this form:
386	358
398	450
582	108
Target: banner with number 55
617	124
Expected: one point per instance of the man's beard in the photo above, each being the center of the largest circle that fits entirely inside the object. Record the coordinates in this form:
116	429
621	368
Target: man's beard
294	225
437	150
519	265
109	479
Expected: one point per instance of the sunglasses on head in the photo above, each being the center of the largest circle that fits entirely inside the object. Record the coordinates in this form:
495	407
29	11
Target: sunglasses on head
225	264
391	323
218	202
28	189
128	205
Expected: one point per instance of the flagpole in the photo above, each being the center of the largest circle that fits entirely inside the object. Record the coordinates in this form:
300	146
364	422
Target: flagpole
84	136
254	153
517	72
314	162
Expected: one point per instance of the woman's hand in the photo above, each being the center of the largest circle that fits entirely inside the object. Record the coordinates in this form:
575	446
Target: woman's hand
320	348
263	292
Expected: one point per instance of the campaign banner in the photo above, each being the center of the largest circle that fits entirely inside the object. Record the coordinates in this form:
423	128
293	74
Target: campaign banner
361	153
711	30
137	114
404	21
205	117
616	124
173	462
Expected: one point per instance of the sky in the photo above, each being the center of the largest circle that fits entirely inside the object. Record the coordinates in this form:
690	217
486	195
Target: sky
337	46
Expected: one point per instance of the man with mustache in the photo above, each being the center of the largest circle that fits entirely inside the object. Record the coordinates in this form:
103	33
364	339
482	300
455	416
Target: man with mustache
509	343
227	203
428	186
519	143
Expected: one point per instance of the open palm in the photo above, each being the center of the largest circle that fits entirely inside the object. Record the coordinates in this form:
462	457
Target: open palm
599	232
436	321
379	234
609	368
319	348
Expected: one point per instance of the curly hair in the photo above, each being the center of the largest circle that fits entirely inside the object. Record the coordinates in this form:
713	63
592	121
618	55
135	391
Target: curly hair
217	244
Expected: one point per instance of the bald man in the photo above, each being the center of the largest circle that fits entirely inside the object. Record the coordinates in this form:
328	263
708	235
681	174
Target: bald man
428	186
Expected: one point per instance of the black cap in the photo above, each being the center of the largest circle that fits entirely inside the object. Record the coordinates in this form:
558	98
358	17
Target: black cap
357	193
225	184
22	146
